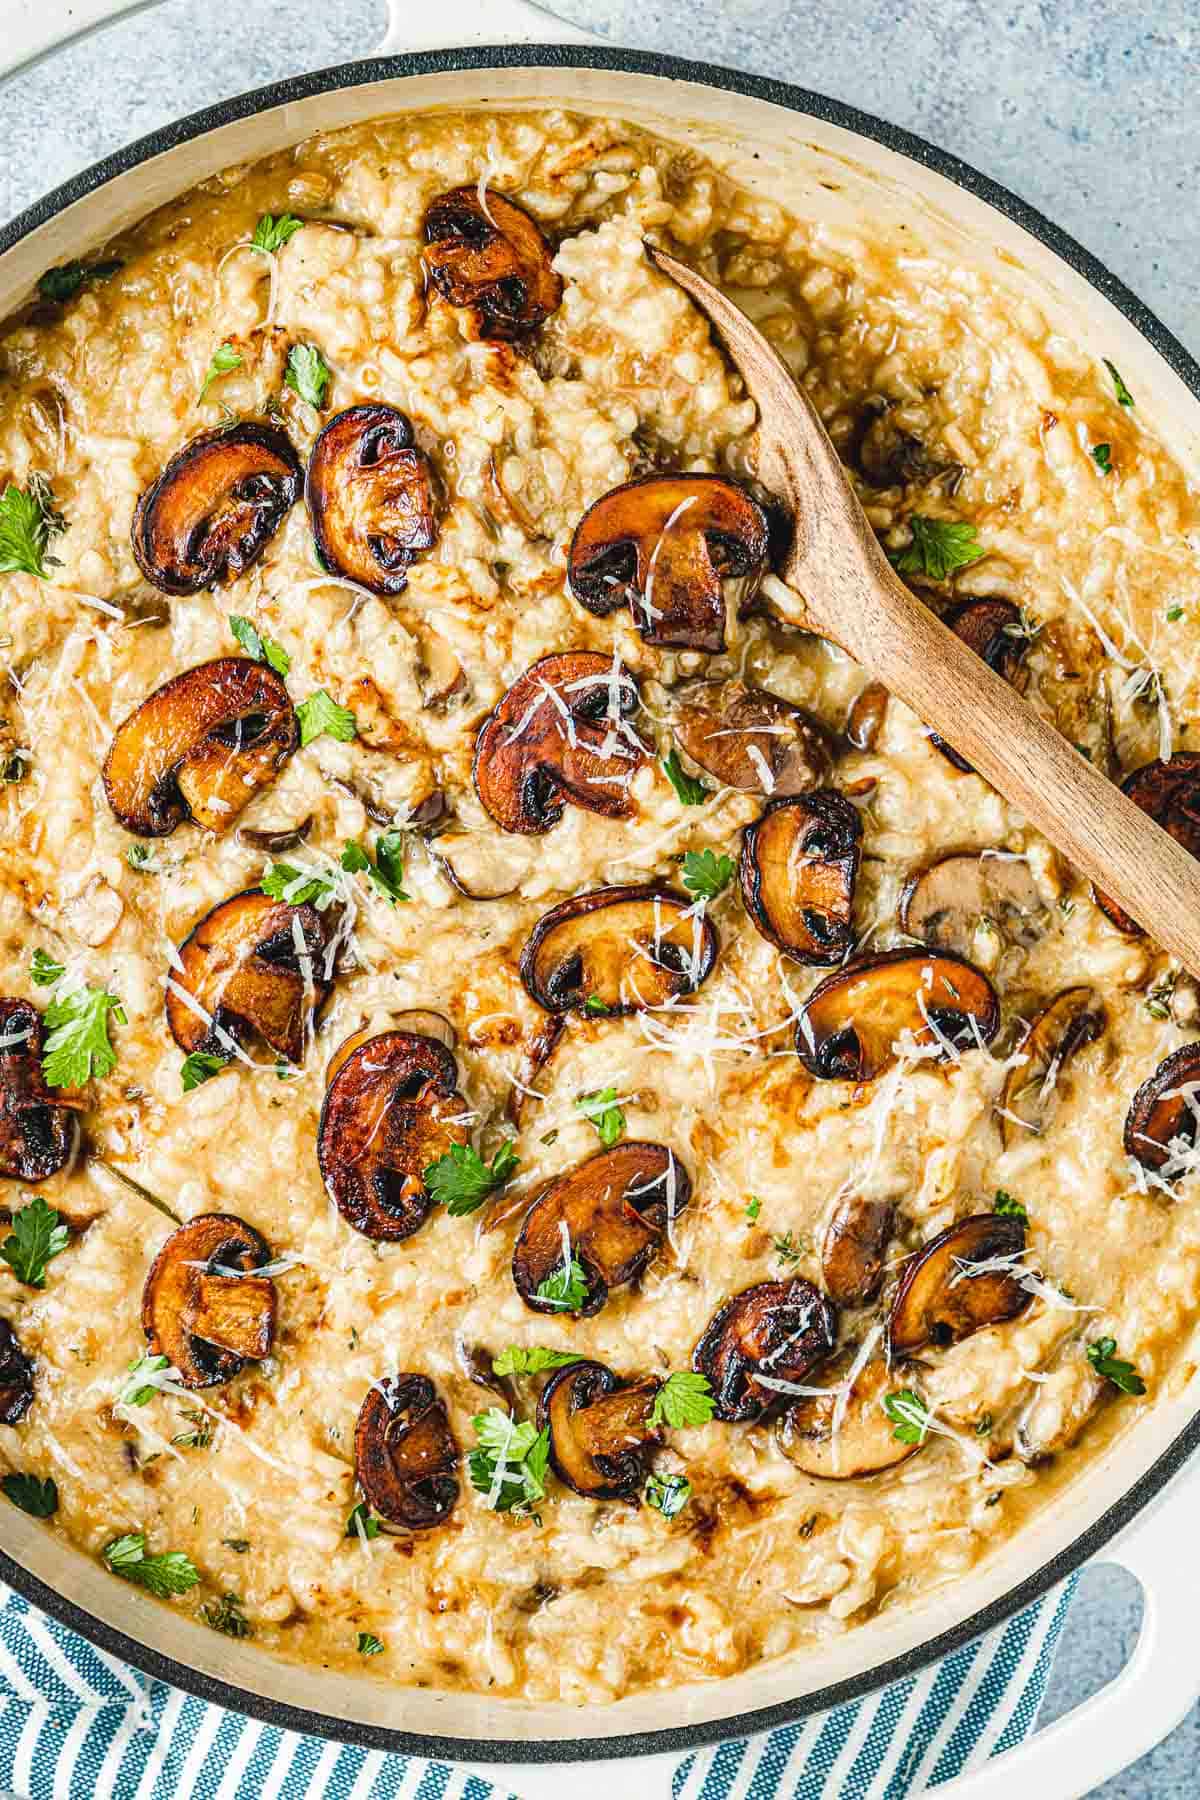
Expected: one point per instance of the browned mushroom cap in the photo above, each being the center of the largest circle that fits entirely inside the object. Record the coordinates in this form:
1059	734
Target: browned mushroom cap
485	252
865	1441
215	507
850	1022
200	747
1170	792
16	1377
558	738
405	1455
244	970
945	902
391	1110
864	721
764	1341
37	1129
852	1254
798	867
941	1299
662	547
600	1430
206	1320
623	948
989	628
611	1210
1072	1019
751	739
1160	1126
370	497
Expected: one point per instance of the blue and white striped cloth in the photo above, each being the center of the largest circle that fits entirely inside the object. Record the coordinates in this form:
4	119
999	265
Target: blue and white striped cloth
76	1724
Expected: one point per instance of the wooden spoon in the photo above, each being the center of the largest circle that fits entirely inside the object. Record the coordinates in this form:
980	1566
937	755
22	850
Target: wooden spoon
852	596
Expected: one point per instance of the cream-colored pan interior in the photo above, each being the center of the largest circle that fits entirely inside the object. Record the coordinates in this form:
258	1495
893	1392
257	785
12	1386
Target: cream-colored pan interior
813	168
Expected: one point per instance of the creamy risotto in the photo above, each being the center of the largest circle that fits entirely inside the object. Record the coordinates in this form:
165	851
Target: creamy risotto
557	1141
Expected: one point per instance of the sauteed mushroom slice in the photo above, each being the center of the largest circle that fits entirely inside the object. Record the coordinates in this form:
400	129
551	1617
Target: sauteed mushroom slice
609	1213
990	628
1160	1126
1170	792
751	739
480	865
600	1430
762	1343
484	251
963	1279
559	737
16	1377
864	1441
852	1254
621	948
215	507
199	747
251	964
945	902
405	1456
850	1022
864	721
391	1110
203	1307
37	1127
662	546
1072	1019
370	497
798	866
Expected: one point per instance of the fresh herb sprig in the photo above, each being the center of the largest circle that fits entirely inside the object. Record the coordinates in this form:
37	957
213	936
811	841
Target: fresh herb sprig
601	1110
685	1398
224	360
519	1359
938	548
37	1498
1124	397
307	374
271	234
1007	1207
706	874
77	1045
461	1181
509	1465
200	1066
689	790
667	1494
38	1235
44	971
321	716
909	1414
386	872
29	520
64	282
169	1572
566	1286
1102	1354
262	649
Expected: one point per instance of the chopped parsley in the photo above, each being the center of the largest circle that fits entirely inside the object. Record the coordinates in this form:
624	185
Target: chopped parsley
668	1494
753	1208
1104	1359
44	970
360	1524
386	873
201	1433
271	234
224	361
137	1388
38	1235
1102	457
299	887
788	1249
688	789
595	1007
262	649
1174	614
1124	397
461	1181
321	716
308	374
909	1414
226	1615
601	1109
141	858
66	280
77	1045
37	1498
200	1066
1008	1207
509	1466
170	1572
705	874
369	1644
566	1287
685	1398
517	1360
28	521
939	547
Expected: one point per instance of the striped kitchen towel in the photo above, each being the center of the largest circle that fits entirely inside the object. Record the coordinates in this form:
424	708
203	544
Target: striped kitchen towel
76	1724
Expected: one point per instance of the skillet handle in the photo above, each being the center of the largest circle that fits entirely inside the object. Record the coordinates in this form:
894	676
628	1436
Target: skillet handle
33	28
413	26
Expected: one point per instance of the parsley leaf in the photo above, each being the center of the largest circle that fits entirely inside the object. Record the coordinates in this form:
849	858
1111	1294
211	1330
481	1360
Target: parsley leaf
224	361
939	547
37	1498
299	887
308	373
136	1389
690	791
753	1208
910	1415
684	1398
1008	1207
66	280
271	234
38	1234
369	1644
200	1066
320	715
595	1008
260	648
140	857
1102	457
1124	397
226	1615
28	520
360	1515
668	1494
201	1433
509	1466
386	873
517	1360
566	1287
600	1107
461	1180
705	874
1104	1359
77	1044
788	1249
44	970
170	1572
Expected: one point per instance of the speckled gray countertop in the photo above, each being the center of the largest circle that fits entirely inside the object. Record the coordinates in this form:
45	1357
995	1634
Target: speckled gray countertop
1086	108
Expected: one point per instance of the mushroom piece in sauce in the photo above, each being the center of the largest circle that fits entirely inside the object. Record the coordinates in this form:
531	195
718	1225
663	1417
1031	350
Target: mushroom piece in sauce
852	1253
16	1377
391	1110
203	1306
600	1430
608	1213
751	739
479	865
1160	1126
850	1023
216	506
1072	1019
762	1343
951	1289
991	629
370	497
618	950
946	901
559	737
37	1126
662	546
798	866
1170	792
405	1456
484	252
845	1436
200	747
